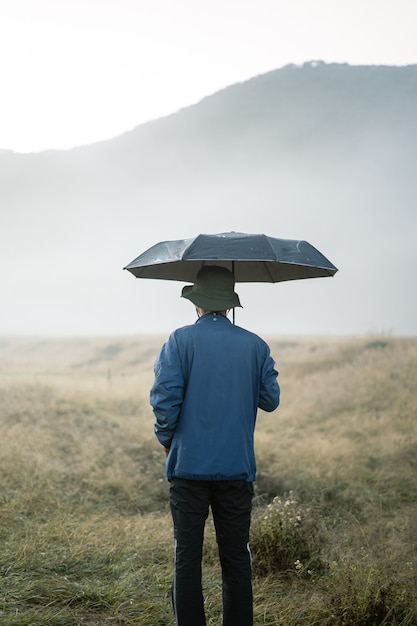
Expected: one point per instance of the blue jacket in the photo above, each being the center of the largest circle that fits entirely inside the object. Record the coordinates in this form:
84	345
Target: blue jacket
210	379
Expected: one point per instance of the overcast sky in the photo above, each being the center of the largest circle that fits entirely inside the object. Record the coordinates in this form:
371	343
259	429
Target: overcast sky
75	72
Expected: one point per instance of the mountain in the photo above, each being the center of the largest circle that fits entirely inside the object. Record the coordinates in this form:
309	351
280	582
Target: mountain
322	152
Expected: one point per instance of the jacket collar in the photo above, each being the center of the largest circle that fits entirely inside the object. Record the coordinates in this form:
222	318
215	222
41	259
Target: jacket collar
211	317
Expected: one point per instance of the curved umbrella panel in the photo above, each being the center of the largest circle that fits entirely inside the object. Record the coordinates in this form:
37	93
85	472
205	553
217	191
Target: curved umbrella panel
162	252
230	246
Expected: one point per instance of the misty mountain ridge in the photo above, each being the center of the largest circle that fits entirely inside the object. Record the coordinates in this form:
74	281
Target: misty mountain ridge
323	152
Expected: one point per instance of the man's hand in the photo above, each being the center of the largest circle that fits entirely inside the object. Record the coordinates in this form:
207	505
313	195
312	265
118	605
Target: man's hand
166	450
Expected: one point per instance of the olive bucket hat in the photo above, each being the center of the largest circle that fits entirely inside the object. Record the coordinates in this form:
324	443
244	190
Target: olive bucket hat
213	289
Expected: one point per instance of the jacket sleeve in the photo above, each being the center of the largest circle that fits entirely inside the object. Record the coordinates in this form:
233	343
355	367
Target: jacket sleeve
269	394
167	392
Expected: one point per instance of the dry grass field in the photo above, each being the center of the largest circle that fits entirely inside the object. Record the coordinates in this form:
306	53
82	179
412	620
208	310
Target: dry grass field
85	531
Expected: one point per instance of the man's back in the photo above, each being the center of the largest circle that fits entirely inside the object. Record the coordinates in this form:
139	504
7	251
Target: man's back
210	379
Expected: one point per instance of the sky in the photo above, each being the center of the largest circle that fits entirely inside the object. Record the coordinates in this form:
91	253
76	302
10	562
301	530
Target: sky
75	72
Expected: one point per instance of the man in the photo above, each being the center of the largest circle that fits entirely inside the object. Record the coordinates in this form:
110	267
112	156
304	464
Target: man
210	379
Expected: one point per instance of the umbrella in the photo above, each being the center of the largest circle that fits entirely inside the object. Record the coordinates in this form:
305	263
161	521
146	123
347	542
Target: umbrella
251	258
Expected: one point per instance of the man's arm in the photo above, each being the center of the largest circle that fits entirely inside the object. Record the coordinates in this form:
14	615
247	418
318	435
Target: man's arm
269	395
167	392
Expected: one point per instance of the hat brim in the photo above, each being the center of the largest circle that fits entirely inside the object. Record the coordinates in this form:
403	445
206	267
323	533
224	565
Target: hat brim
210	304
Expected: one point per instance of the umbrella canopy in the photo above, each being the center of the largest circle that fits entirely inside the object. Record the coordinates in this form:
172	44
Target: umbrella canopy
251	258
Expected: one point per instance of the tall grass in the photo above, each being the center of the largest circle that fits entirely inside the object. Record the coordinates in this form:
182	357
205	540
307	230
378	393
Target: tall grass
85	530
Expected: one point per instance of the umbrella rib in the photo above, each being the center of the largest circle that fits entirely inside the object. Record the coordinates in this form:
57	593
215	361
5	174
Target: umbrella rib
265	264
268	272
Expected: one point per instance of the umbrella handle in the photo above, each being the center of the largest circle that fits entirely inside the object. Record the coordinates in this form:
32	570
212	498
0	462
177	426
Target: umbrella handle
233	272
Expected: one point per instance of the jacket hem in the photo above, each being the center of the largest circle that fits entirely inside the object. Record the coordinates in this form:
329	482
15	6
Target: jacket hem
187	476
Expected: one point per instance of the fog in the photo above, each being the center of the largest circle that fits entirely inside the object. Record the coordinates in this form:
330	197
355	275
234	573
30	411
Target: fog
71	220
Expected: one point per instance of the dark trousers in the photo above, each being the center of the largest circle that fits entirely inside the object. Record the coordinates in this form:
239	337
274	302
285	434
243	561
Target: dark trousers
231	504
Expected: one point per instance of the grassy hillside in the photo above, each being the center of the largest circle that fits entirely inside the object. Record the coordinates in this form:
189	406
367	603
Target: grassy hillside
85	531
